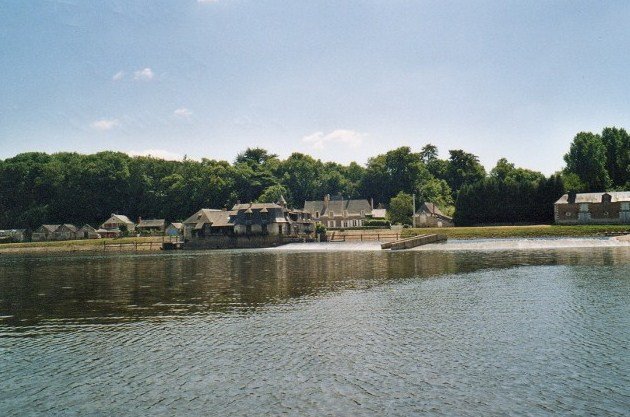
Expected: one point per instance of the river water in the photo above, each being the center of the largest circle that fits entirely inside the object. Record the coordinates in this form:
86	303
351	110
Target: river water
479	328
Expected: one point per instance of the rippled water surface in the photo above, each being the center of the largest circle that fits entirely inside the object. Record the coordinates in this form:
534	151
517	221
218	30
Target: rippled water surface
535	330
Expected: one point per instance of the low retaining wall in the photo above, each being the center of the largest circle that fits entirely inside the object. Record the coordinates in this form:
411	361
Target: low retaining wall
240	242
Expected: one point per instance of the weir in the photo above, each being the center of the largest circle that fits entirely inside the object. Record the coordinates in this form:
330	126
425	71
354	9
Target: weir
412	242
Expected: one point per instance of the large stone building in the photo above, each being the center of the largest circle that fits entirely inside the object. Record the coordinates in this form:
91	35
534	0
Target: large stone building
593	208
335	213
251	219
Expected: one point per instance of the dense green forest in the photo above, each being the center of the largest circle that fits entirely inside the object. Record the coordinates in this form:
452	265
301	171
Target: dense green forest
37	188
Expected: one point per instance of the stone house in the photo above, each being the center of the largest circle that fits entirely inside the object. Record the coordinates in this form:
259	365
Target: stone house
206	223
44	232
429	215
269	219
593	208
112	226
336	212
65	232
87	232
151	226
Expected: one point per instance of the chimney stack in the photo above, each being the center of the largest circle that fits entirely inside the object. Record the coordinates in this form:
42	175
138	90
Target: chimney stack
572	196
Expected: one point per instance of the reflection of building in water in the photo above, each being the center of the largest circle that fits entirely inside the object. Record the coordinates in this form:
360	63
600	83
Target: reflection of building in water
593	208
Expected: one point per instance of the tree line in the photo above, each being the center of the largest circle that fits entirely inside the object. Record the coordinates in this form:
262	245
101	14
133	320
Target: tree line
38	188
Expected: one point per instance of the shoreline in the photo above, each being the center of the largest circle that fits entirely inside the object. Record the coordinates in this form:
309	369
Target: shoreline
139	245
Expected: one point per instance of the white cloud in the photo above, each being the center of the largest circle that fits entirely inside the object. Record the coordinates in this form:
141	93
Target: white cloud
183	112
118	76
143	75
105	124
158	153
350	138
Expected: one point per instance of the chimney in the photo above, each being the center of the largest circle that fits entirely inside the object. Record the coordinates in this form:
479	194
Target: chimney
572	195
326	200
372	203
139	219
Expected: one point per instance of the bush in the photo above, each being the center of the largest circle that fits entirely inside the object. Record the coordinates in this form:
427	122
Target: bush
377	223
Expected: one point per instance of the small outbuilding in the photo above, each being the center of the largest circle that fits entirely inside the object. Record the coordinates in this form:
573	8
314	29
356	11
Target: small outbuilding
87	232
175	229
429	215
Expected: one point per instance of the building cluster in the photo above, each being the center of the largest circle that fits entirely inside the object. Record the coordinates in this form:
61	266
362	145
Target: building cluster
251	219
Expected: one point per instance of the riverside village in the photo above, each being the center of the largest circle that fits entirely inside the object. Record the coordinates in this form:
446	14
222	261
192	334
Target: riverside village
259	225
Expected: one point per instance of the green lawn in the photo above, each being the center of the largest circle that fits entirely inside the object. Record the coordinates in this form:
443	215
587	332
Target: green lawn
493	232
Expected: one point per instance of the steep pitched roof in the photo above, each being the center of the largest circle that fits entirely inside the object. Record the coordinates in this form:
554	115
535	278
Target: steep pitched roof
70	227
616	196
176	225
49	227
430	208
216	218
338	206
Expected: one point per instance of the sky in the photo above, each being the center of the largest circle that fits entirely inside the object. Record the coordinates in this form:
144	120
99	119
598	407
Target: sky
339	80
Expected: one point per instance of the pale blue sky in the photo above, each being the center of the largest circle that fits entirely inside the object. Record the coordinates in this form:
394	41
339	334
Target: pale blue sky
340	80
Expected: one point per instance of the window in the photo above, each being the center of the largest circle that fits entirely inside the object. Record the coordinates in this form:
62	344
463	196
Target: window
625	206
584	207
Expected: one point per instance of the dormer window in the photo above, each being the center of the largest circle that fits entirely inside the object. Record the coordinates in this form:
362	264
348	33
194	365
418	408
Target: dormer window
331	214
317	214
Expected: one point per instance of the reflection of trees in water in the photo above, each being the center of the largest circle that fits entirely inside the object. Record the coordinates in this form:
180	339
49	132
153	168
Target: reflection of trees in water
111	288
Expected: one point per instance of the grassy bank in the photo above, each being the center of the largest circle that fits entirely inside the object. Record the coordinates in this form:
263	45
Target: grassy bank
74	245
496	232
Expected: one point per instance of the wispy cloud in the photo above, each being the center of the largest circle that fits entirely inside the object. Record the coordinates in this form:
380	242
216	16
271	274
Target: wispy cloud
207	1
158	153
105	124
349	138
143	75
183	113
118	76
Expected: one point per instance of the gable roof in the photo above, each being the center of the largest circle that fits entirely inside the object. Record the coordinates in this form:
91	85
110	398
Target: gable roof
216	218
49	227
151	223
176	225
338	206
616	196
87	227
120	218
70	227
430	208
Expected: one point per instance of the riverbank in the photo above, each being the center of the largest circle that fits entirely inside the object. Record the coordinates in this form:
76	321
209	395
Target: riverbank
134	244
152	243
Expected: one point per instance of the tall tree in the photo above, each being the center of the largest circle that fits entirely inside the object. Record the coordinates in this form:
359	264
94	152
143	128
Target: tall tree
587	159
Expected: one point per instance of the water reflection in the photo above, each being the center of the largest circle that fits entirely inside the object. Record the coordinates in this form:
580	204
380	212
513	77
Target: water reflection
111	288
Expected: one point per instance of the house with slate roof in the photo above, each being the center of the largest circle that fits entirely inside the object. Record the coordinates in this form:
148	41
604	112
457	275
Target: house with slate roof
87	232
65	232
151	226
337	212
270	219
112	226
44	232
593	208
429	215
206	223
